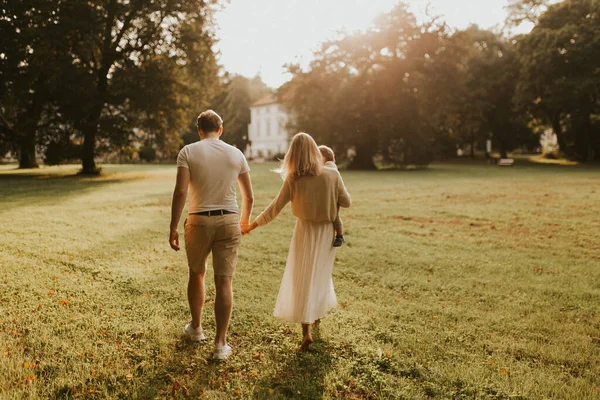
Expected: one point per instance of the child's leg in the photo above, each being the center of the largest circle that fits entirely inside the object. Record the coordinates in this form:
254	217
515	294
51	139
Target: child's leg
339	230
337	224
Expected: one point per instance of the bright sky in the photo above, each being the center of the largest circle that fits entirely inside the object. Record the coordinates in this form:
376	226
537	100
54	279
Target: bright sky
260	36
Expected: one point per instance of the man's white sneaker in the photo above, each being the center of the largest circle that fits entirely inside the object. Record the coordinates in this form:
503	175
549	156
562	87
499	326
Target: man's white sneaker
193	334
222	351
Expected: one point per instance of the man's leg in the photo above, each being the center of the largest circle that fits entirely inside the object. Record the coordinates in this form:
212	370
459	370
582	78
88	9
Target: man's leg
225	252
223	306
195	292
198	242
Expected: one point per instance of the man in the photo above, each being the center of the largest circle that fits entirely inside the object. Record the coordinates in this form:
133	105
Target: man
211	168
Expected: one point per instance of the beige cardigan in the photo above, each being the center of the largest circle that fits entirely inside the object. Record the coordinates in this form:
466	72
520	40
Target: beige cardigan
314	198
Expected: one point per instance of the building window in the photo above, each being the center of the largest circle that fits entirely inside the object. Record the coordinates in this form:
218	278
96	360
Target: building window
282	127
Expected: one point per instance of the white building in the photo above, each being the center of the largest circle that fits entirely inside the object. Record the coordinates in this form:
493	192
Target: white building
267	131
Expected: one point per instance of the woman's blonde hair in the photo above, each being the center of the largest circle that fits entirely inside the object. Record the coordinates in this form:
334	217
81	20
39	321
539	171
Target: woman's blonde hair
302	158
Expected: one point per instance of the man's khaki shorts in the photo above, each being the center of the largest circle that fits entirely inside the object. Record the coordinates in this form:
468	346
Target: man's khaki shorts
219	234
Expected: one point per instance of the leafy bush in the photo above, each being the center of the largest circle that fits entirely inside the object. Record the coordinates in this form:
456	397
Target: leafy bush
147	153
61	152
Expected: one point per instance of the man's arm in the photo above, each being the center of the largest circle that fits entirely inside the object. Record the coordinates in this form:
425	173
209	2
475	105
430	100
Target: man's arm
179	197
245	185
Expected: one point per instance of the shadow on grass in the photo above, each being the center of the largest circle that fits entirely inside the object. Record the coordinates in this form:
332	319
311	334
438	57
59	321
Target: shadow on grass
302	376
34	189
189	359
153	378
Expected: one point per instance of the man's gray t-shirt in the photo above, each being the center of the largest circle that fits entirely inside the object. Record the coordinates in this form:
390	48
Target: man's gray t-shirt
214	169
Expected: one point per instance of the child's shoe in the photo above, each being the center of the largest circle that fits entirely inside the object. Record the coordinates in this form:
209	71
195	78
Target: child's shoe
339	240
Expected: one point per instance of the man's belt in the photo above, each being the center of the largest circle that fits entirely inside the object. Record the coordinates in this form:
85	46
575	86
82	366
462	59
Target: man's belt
212	213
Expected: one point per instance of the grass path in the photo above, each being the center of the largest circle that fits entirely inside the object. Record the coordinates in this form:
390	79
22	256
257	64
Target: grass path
456	281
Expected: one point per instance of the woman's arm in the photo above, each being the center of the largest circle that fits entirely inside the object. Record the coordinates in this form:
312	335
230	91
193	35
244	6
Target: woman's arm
273	209
344	198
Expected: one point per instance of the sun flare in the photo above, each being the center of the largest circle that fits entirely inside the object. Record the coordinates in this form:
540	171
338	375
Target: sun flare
259	37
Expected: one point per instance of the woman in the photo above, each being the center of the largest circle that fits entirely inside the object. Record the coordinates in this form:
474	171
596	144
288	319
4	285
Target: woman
306	293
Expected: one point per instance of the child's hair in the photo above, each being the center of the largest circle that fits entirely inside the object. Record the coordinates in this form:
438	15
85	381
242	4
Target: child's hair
302	158
327	153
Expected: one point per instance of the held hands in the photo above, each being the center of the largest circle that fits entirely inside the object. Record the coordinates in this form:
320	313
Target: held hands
247	228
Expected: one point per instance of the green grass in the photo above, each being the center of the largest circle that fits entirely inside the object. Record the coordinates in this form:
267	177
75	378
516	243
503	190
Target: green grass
458	281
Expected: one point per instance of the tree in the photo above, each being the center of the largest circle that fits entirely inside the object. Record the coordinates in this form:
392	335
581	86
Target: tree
362	91
405	90
27	64
559	80
101	68
484	106
164	46
520	11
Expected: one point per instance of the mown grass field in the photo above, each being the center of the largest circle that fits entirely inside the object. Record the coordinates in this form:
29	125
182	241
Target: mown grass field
459	281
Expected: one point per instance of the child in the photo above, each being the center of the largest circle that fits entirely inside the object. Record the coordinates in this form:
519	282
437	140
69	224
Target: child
329	162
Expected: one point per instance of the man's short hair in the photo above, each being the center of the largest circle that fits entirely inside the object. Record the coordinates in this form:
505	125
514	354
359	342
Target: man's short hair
209	121
327	153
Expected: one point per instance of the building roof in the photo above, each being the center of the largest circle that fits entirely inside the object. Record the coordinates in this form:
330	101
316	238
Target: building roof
269	99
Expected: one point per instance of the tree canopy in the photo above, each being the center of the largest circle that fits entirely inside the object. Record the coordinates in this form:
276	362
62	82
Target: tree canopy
115	65
560	74
404	91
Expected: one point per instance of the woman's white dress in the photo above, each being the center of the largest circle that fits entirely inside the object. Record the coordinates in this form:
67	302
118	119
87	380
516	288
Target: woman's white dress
306	293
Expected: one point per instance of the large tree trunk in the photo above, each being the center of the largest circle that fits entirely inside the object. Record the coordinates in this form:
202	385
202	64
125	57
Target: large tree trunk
595	141
27	158
88	164
503	152
586	130
26	128
88	153
501	143
582	129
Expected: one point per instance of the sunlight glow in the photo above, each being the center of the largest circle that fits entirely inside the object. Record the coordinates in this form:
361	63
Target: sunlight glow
260	36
